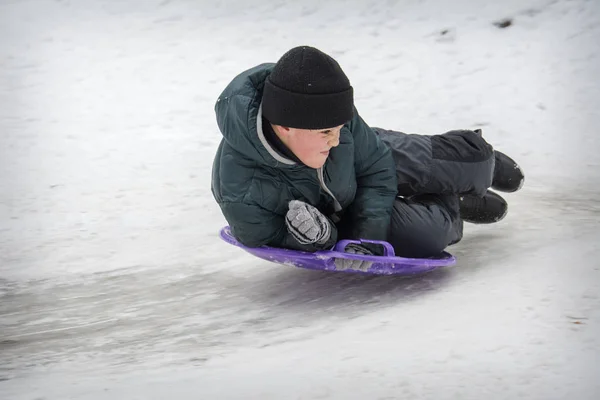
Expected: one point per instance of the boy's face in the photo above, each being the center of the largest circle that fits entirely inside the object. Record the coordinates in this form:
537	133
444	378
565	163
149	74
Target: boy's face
311	146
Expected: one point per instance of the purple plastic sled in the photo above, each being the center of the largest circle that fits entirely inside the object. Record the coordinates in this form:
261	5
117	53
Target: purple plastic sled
388	264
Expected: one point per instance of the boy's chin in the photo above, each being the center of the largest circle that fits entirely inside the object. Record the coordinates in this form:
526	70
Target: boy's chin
315	163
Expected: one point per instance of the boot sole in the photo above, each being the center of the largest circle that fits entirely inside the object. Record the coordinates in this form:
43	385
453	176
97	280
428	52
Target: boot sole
511	189
500	218
493	221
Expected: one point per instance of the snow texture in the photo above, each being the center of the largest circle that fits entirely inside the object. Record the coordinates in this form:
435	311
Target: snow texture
115	285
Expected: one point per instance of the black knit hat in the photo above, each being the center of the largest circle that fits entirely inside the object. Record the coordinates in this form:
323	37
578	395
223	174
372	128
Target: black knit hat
307	89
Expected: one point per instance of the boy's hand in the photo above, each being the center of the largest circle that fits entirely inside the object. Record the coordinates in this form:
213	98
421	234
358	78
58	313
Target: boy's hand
307	224
359	265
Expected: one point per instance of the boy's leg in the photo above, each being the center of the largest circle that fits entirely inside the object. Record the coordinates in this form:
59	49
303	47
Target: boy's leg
433	171
424	225
456	162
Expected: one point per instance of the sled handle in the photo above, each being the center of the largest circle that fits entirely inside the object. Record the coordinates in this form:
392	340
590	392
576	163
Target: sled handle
388	249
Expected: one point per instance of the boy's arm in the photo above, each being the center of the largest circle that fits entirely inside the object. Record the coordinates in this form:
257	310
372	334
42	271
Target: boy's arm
377	183
254	226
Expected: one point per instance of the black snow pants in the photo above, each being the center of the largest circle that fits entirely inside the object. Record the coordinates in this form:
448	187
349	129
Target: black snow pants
433	170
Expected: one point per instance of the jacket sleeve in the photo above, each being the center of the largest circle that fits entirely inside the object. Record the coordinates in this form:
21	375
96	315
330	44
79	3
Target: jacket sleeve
254	226
376	183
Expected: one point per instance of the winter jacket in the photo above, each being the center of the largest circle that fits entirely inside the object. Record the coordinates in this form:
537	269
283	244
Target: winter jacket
253	183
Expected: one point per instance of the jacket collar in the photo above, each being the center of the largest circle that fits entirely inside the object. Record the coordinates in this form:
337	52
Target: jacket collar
261	135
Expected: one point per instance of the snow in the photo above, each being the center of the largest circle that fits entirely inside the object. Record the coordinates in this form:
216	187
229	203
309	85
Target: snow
115	284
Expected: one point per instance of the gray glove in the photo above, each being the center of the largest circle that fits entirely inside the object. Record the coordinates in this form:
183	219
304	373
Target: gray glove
342	264
307	224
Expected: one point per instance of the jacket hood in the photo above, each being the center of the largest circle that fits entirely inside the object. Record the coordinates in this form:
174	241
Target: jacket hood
239	117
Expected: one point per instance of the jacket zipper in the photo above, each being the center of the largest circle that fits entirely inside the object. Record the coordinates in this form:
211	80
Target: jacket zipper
336	205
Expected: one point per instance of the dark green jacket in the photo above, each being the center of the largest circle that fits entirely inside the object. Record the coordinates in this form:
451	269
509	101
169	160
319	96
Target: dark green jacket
253	184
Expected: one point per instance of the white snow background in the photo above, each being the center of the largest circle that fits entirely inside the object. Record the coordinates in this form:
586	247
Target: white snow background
115	285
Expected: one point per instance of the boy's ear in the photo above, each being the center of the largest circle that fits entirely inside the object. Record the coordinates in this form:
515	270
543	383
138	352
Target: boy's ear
282	130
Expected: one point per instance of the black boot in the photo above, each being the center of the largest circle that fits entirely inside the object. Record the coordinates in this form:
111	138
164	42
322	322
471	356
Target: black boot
482	210
508	176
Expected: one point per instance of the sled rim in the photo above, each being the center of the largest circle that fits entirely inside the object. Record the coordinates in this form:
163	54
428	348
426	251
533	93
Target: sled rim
443	260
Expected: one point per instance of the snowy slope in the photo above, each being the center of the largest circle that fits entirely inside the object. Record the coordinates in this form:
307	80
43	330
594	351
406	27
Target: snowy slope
114	284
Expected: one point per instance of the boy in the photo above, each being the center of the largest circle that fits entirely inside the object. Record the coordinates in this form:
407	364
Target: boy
298	168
